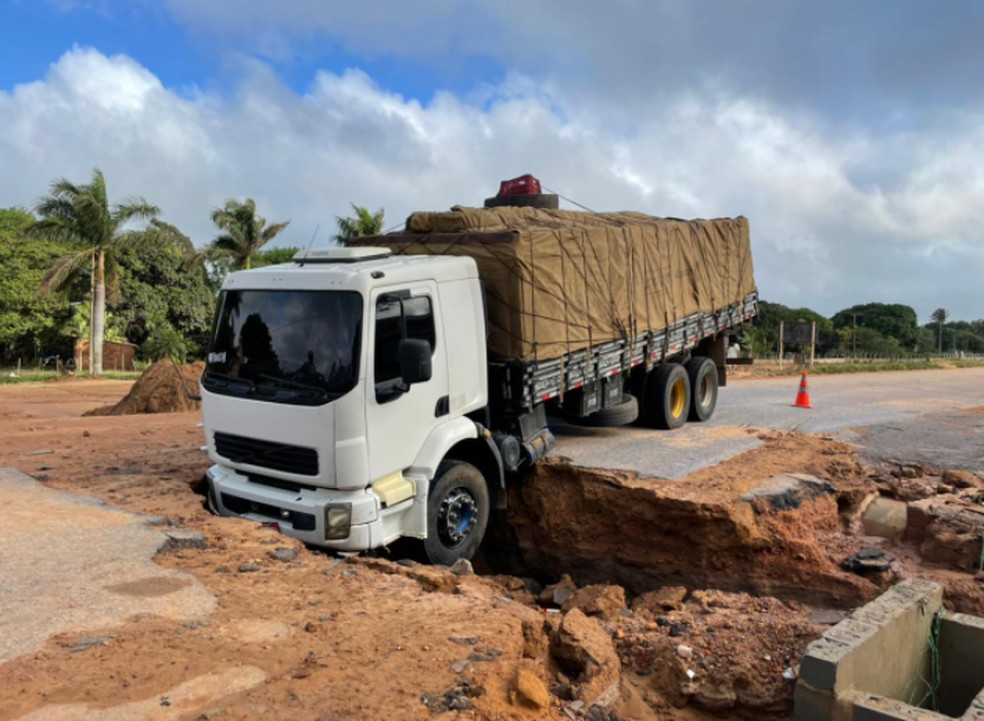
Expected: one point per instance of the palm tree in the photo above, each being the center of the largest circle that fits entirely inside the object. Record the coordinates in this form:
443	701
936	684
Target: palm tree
82	216
363	223
940	315
244	233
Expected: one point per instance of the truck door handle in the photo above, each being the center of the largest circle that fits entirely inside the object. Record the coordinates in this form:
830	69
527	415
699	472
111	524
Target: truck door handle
443	407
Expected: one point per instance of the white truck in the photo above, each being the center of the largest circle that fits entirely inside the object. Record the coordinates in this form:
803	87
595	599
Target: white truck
391	390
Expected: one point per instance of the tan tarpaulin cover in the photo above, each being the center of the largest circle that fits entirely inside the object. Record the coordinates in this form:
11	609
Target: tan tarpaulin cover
559	281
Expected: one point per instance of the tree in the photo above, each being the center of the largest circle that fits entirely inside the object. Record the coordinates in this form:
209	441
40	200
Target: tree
274	256
939	316
891	320
29	324
244	233
160	289
361	224
81	216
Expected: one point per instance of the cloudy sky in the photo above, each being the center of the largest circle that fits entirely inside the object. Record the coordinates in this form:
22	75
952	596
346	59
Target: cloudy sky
850	133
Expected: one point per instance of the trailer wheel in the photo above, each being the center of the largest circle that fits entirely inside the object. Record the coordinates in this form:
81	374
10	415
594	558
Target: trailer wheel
667	400
622	413
703	387
457	513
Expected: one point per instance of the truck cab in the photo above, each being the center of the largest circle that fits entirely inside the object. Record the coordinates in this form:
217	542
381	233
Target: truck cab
340	389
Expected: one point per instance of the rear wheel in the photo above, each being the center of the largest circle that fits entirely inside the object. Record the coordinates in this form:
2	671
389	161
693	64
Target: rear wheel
621	414
457	513
703	375
667	400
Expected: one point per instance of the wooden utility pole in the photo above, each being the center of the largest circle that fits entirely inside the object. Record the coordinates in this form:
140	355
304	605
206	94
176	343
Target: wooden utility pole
781	328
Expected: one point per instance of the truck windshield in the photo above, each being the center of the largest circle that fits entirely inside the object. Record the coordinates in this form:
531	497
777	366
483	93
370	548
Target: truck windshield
292	346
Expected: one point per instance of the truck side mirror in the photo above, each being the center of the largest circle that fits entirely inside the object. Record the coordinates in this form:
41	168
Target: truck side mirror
415	360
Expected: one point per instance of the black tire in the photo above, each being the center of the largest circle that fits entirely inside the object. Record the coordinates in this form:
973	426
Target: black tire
457	513
621	414
703	387
667	400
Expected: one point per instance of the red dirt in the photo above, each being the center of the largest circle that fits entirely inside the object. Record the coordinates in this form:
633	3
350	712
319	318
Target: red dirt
370	639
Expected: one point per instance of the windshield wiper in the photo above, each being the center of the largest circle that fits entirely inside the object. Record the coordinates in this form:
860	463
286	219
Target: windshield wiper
228	379
294	384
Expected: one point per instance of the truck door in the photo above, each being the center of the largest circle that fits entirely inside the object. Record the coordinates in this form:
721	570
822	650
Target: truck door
400	419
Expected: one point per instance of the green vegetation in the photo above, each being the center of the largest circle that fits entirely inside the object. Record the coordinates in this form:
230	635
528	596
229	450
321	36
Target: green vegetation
243	233
879	330
81	267
361	224
80	217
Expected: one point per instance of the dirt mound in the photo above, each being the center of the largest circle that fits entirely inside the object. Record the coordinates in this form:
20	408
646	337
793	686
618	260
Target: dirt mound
163	388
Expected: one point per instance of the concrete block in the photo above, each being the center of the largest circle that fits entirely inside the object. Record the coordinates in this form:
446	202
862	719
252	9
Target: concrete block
962	656
880	650
886	518
879	708
812	704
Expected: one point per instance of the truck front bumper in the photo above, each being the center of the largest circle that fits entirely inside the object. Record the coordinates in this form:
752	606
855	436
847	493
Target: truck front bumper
340	520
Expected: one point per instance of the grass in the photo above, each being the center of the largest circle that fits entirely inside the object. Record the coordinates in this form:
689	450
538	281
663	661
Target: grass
770	368
35	376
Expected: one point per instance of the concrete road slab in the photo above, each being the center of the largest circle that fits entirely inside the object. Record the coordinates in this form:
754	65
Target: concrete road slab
886	414
71	563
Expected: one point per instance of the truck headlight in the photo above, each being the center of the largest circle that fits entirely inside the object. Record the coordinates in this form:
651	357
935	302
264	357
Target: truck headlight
338	520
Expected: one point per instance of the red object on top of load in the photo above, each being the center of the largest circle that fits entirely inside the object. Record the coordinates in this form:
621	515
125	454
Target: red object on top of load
523	185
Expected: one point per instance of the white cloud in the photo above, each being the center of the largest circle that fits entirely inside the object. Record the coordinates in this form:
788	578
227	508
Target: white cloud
821	236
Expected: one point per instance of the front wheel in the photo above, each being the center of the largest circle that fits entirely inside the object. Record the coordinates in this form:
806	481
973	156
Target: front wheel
457	513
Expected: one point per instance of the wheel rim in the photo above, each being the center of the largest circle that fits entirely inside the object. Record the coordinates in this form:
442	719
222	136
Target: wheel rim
456	517
706	390
678	398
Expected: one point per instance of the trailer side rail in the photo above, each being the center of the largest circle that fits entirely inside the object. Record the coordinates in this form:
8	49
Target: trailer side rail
524	385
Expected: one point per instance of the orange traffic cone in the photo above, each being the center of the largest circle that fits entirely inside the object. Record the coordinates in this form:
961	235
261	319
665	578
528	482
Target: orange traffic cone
803	397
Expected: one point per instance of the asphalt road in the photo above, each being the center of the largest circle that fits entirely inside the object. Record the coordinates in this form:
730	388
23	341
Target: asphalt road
900	416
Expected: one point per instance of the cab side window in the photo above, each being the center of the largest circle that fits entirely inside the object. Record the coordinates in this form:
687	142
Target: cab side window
416	320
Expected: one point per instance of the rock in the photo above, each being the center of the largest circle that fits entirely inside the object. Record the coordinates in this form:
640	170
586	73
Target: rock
460	666
86	434
828	617
180	539
463	640
602	600
678	629
529	690
536	644
283	554
867	560
919	514
583	649
885	518
786	491
249	567
462	567
84	644
667	598
45	452
962	479
684	651
546	596
458	698
562	596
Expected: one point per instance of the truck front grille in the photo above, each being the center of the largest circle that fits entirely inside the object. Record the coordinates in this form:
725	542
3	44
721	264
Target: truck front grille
276	456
